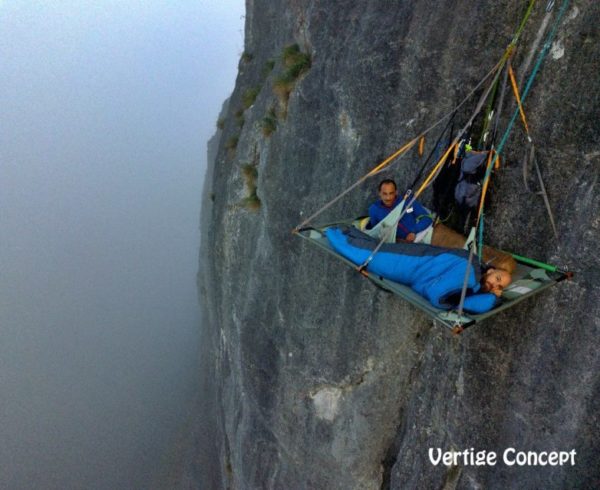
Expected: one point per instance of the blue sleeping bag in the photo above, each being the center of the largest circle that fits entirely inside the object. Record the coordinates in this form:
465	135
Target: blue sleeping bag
435	273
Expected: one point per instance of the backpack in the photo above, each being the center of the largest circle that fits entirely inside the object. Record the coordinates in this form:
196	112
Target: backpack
472	170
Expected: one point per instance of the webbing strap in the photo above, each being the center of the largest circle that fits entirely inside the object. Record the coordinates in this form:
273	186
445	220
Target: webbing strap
463	292
536	68
524	66
532	150
384	164
480	241
489	111
437	167
523	22
543	191
499	108
433	150
513	82
485	184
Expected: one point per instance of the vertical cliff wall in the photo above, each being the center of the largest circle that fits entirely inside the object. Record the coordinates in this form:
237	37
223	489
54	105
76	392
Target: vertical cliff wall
320	380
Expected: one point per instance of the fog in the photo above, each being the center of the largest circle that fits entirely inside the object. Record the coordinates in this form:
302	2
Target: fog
105	110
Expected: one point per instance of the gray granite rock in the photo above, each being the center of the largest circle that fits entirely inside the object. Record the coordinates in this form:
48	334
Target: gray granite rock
315	378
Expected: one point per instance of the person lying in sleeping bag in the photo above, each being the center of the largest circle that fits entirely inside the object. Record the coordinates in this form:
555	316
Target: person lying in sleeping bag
435	273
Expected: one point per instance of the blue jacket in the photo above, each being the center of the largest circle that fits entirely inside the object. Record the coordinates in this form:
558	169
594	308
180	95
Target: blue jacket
435	273
412	222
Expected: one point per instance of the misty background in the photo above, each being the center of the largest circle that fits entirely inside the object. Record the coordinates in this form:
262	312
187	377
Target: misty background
105	111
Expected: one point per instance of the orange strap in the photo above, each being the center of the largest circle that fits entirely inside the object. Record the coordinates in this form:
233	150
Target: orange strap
493	159
518	97
407	146
435	169
421	146
455	154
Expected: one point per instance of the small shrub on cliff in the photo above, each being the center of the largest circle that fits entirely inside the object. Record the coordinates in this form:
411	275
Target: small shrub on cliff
296	63
239	118
240	121
284	83
250	174
268	68
269	123
282	88
251	202
247	57
221	123
249	96
231	143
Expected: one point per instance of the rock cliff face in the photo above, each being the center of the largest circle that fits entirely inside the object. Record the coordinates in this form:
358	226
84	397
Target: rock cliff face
320	380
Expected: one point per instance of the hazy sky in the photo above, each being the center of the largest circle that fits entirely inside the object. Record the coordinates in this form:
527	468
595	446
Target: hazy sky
105	110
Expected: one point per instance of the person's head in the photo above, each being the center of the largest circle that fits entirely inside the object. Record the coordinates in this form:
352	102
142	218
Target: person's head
495	280
388	192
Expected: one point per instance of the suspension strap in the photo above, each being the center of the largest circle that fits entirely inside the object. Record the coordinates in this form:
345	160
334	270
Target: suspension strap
463	292
534	72
489	113
480	251
420	172
513	82
538	38
499	108
532	150
436	168
523	22
486	182
543	191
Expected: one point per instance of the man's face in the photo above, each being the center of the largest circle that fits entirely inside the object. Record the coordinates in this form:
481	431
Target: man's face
495	280
388	194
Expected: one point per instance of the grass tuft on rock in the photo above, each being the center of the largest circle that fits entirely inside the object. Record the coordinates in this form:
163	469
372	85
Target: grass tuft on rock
231	145
249	96
247	57
296	63
250	174
268	68
252	202
269	123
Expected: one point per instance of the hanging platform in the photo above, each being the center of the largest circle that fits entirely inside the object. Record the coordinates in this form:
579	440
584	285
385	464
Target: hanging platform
527	281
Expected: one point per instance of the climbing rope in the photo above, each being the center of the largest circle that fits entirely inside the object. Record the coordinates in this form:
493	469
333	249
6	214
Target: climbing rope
528	86
518	111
